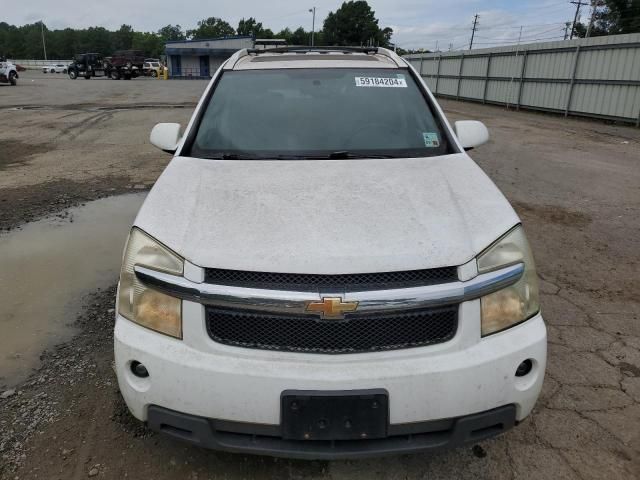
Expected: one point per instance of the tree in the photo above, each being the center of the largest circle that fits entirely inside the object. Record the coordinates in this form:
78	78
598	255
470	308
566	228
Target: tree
612	17
123	38
300	37
250	27
150	43
170	33
622	16
355	23
211	27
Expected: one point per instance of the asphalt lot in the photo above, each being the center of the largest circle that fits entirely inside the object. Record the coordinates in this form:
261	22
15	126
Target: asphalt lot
575	183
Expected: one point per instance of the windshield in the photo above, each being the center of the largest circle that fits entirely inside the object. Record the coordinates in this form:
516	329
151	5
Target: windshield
318	113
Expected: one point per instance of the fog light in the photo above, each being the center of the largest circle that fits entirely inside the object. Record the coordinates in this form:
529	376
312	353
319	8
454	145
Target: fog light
524	368
139	370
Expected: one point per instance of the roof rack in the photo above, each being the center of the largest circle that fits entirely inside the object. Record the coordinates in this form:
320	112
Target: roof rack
230	65
366	50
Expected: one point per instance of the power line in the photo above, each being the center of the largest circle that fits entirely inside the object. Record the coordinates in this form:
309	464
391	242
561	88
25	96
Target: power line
521	37
473	31
533	40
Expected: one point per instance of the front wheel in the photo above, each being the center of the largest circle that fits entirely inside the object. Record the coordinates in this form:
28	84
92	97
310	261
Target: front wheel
13	79
87	76
73	74
52	71
154	74
114	75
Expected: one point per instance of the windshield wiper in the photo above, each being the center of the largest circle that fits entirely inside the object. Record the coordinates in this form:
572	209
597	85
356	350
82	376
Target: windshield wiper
232	156
337	155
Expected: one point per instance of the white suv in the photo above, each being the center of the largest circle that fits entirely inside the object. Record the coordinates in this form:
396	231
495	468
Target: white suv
323	272
8	72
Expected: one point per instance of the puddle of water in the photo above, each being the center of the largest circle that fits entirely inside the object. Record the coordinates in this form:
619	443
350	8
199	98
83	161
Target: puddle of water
47	267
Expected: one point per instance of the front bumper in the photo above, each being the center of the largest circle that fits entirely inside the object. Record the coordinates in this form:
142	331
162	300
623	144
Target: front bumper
200	378
266	440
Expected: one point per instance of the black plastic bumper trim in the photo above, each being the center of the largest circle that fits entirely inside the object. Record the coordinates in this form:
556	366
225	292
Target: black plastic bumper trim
260	439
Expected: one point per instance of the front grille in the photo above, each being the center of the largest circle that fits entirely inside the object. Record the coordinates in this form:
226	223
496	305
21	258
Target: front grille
313	282
354	334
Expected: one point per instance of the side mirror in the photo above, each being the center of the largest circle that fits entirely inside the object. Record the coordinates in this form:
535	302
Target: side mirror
166	136
471	133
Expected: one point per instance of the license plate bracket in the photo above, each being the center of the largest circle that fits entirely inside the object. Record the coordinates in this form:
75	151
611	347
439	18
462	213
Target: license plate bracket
339	415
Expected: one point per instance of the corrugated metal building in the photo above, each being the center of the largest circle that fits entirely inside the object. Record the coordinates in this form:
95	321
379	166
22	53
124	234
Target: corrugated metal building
201	58
596	77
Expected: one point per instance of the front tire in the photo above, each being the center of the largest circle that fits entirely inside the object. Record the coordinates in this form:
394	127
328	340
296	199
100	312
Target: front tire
73	74
52	71
13	79
115	75
154	74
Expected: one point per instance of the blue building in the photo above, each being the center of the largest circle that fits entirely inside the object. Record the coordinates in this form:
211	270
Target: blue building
201	58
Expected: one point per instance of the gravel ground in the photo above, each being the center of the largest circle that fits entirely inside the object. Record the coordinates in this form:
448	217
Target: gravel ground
576	185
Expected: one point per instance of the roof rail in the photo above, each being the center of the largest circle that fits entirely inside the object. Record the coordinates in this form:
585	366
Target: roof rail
366	50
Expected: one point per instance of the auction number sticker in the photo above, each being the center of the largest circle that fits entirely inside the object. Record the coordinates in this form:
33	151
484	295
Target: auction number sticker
381	82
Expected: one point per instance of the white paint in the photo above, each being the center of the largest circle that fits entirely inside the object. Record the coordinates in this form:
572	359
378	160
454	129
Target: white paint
333	216
471	133
197	376
165	136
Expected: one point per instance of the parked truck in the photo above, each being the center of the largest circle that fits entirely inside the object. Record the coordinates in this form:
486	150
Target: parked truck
125	64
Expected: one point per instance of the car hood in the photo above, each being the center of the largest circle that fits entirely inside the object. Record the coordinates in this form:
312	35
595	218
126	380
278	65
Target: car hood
329	217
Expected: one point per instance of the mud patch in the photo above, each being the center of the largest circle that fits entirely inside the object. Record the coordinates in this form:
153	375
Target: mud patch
15	153
553	214
20	205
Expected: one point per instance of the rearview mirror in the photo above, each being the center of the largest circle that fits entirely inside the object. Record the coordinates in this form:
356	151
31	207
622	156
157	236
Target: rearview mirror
471	133
166	136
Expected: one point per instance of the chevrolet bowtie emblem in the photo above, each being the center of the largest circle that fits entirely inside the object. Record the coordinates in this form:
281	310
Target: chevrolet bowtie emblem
332	307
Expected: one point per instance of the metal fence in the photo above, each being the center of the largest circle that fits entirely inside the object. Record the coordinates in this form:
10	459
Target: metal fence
594	77
37	64
190	74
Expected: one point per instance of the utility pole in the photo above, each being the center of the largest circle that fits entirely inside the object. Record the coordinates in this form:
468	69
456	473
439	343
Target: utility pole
473	32
578	5
436	46
44	46
566	29
313	25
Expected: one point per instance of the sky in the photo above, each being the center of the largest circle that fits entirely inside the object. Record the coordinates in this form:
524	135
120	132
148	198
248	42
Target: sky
416	23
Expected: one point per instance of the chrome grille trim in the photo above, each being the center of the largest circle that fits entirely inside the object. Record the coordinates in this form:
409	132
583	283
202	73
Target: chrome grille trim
295	302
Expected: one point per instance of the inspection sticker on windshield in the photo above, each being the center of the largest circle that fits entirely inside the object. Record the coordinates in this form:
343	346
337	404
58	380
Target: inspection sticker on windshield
431	140
381	82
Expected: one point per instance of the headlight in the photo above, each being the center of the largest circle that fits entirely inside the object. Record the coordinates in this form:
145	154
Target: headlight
143	305
512	305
